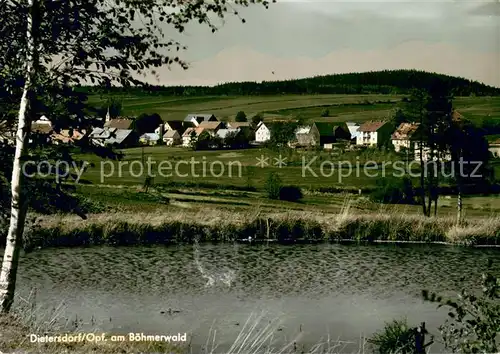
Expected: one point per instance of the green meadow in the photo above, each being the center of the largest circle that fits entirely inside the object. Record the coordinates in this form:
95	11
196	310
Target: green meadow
232	179
342	108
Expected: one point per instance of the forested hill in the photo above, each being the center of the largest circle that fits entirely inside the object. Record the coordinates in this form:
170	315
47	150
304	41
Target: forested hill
373	82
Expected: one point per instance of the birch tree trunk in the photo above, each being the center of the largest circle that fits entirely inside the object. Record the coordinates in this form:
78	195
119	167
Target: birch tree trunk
18	208
459	206
459	194
422	177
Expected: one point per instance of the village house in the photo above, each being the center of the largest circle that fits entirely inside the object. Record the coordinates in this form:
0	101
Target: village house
234	133
494	148
150	138
302	137
262	133
236	125
118	123
160	130
211	127
67	136
426	153
195	119
172	138
189	135
43	120
403	136
173	125
325	134
121	138
374	133
224	133
354	130
42	128
245	128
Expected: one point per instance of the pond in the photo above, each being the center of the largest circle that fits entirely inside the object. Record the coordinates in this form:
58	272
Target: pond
315	291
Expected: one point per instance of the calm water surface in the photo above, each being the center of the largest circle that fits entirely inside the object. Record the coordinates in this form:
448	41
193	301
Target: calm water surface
345	292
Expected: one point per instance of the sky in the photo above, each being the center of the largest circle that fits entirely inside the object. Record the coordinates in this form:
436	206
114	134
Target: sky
294	39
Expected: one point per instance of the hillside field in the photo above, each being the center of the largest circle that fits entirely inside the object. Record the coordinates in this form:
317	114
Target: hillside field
218	191
356	108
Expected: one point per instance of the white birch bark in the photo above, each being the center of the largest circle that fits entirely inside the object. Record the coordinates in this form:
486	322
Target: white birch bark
18	208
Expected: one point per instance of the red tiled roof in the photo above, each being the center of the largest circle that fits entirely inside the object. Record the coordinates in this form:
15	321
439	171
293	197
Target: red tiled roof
65	137
405	131
190	131
371	126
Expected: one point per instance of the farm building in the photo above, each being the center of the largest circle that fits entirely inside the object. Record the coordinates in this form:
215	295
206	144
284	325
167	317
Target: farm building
67	136
325	134
374	133
172	138
114	137
195	119
262	133
403	136
189	135
174	125
119	123
236	125
302	136
224	133
354	130
494	148
150	139
211	127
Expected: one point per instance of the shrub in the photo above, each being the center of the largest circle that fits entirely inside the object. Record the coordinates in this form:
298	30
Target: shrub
256	119
241	117
396	337
273	186
290	193
474	321
393	191
325	113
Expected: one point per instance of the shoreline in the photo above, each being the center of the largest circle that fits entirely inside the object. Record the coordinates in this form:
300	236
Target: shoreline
291	227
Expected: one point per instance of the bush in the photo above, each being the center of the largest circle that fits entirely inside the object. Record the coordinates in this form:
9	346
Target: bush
273	186
290	193
393	191
396	337
325	113
473	320
241	117
256	119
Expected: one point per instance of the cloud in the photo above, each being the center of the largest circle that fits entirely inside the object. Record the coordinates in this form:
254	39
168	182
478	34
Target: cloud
309	37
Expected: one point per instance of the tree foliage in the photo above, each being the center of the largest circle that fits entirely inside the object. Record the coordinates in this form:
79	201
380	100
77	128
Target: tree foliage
241	117
374	82
273	186
473	322
146	123
282	133
48	49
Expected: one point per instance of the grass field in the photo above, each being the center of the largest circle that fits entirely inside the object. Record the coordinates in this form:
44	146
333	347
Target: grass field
341	107
241	185
239	167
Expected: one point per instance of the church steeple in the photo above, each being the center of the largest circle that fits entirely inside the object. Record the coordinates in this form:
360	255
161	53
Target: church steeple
108	116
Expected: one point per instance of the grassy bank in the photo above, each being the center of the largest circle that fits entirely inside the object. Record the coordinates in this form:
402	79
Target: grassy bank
283	227
14	337
254	338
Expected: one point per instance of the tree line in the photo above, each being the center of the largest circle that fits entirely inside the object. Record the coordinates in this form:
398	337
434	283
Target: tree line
373	82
